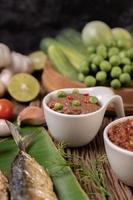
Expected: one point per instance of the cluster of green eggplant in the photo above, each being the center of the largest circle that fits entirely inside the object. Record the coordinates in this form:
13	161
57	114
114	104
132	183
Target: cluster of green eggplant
97	56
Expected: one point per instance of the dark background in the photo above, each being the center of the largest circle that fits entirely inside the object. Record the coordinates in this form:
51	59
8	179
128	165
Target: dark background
24	22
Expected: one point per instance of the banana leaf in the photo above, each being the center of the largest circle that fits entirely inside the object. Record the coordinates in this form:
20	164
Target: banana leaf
44	151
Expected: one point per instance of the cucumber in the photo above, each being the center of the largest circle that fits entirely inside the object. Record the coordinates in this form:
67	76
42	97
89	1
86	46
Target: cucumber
77	60
46	42
61	62
72	38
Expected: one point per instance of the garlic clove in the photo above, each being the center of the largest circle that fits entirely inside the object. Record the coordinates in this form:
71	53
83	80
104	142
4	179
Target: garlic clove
21	63
4	129
31	115
5	56
5	76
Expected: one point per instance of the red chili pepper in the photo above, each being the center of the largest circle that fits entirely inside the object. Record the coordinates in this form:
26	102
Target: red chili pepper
64	108
85	100
131	122
51	105
70	97
86	94
76	111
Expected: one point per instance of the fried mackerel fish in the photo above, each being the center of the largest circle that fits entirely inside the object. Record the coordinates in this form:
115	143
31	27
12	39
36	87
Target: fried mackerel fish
3	187
28	179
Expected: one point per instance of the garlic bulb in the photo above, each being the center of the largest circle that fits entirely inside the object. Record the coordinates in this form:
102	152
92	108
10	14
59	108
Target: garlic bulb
5	55
21	63
4	129
5	76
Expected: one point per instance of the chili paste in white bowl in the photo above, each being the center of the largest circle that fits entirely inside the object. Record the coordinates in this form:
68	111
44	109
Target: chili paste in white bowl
118	139
78	123
74	103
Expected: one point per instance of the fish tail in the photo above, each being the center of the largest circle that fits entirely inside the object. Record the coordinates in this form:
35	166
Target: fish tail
22	142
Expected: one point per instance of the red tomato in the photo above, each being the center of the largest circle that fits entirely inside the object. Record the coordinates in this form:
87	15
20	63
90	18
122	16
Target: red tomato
6	109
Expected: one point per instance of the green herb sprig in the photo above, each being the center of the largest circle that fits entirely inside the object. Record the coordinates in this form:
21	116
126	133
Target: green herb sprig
94	173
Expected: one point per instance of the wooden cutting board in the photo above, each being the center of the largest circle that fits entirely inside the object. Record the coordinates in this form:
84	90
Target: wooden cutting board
52	80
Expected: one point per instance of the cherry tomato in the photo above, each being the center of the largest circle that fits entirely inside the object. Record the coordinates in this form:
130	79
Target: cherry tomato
6	109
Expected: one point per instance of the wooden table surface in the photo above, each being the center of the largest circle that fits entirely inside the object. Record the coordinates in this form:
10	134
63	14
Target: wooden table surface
117	189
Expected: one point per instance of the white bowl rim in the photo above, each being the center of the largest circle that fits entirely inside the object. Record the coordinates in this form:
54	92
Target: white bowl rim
69	115
107	140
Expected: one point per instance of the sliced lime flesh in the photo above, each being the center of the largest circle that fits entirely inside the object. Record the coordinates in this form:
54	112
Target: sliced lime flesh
23	87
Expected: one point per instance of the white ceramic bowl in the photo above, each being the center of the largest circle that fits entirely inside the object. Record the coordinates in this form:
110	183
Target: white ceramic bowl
78	130
121	160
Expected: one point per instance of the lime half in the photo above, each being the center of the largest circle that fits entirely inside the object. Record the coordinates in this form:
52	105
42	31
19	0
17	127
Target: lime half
38	58
23	87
